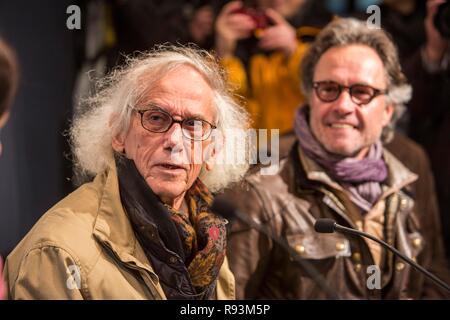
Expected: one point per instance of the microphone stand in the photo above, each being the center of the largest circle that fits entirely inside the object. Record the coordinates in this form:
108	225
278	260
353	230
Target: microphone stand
329	226
310	270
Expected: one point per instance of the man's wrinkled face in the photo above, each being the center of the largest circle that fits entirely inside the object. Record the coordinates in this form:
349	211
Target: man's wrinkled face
342	126
165	159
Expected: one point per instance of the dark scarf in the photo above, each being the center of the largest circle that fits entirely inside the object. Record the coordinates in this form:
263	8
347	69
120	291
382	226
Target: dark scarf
361	178
186	252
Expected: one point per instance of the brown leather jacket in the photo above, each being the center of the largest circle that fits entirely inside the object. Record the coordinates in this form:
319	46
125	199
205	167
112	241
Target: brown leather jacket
289	202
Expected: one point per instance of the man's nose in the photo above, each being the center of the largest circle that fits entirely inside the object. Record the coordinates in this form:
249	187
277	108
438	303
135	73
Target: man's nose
174	138
344	103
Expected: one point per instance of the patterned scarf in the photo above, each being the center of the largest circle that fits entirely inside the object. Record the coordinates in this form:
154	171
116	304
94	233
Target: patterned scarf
203	235
198	239
361	178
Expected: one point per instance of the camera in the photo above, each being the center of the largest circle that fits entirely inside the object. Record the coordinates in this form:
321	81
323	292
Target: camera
252	9
442	19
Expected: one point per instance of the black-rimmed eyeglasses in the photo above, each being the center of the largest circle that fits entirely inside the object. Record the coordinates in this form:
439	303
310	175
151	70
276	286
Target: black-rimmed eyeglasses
159	121
361	94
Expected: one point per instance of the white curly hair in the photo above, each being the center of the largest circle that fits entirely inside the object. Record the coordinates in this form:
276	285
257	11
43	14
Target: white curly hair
107	114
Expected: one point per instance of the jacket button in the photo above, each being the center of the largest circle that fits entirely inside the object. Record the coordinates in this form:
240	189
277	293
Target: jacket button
356	257
417	242
403	204
359	225
399	266
358	267
300	249
340	246
172	259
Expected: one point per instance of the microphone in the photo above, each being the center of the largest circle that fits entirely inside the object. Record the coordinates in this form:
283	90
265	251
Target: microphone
330	226
228	211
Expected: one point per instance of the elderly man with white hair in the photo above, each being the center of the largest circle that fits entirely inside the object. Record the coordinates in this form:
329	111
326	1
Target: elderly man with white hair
143	228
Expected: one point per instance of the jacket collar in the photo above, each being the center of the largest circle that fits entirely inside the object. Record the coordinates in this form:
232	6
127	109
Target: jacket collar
145	211
113	229
398	175
112	225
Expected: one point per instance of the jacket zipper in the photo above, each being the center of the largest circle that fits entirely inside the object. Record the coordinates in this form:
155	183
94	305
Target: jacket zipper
136	268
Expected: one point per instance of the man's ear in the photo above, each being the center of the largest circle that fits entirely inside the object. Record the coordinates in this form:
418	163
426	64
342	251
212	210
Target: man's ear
211	161
118	143
212	151
388	113
118	140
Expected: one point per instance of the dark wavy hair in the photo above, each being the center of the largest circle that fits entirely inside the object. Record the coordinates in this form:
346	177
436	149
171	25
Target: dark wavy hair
348	31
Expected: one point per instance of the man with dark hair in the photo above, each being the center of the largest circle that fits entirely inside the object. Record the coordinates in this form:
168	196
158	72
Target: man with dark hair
339	168
8	85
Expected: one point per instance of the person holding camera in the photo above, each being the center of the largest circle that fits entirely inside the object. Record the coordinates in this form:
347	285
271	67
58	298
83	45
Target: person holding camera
261	52
429	72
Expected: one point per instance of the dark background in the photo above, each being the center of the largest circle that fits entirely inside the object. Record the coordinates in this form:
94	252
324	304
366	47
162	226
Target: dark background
33	169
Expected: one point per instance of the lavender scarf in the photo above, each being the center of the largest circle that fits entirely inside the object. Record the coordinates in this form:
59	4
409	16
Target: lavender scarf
361	178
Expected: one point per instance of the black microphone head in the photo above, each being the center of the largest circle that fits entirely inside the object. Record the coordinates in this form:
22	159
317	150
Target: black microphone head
325	225
223	208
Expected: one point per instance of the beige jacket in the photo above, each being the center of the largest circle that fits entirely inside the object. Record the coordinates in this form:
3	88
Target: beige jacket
85	248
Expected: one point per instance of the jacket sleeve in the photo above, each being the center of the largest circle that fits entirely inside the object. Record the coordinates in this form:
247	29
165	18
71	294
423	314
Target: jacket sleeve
47	272
236	75
286	71
437	263
290	68
225	289
248	249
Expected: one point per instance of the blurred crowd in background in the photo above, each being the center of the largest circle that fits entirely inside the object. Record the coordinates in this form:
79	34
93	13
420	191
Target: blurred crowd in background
260	50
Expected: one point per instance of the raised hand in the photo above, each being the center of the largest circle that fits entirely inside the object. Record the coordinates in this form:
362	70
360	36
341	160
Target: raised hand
231	27
436	44
280	36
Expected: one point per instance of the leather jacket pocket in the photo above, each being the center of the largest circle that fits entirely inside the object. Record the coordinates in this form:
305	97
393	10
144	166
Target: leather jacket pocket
317	246
409	236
